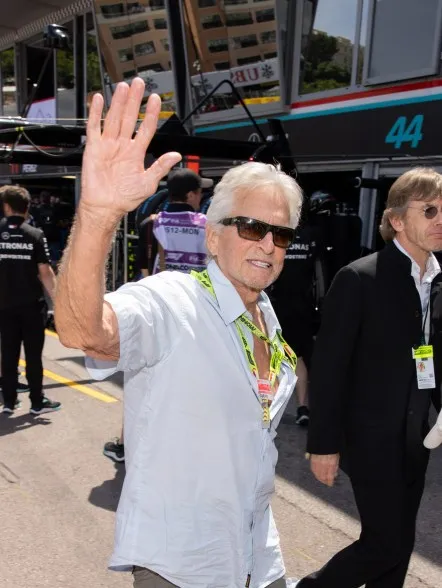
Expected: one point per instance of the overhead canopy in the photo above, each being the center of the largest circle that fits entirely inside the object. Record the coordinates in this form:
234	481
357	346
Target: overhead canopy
21	14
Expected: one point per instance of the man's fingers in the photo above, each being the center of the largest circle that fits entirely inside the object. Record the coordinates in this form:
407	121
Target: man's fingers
94	120
148	127
326	476
113	120
159	169
132	108
325	468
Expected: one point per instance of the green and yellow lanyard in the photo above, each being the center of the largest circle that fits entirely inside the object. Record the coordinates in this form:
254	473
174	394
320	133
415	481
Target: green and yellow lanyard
277	353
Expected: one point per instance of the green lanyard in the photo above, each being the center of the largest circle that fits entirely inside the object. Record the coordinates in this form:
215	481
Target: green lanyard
277	353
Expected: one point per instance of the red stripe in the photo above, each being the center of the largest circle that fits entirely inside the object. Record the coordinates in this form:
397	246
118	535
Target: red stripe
369	93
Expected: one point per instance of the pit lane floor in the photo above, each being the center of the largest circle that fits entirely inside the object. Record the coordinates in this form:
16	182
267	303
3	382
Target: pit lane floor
58	493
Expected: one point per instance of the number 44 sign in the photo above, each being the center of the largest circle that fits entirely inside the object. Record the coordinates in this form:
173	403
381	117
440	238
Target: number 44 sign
402	132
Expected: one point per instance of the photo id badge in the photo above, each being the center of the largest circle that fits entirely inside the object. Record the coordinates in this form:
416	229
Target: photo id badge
266	396
423	356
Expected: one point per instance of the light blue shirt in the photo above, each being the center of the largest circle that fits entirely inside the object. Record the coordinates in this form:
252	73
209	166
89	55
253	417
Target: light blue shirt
195	506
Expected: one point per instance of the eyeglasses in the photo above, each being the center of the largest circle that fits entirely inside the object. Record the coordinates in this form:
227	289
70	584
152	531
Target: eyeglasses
429	212
255	230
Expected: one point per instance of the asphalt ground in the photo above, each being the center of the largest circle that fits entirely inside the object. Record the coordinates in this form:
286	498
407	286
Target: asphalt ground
58	493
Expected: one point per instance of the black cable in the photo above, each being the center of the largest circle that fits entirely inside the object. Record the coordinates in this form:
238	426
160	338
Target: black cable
48	153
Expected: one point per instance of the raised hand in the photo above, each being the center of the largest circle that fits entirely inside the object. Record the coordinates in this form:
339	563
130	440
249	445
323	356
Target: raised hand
113	176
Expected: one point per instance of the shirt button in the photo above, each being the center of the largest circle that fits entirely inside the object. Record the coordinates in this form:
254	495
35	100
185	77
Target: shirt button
411	412
417	314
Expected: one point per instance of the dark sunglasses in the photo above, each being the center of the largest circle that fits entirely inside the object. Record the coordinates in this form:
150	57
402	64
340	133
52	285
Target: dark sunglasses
255	230
430	212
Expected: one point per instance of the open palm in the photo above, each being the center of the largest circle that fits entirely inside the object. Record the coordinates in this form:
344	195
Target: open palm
113	174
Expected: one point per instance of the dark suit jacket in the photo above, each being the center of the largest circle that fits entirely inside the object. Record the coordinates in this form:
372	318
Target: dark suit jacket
364	399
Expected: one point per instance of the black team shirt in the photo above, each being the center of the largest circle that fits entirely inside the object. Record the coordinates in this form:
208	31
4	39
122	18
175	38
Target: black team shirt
22	249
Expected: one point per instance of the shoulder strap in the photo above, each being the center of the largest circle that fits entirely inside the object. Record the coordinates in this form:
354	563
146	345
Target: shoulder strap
149	243
162	256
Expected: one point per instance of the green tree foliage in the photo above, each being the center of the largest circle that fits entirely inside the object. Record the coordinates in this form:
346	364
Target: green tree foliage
7	66
320	71
93	66
65	69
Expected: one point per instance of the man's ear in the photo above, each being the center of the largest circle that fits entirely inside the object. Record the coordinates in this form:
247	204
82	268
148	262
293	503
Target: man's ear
212	240
397	222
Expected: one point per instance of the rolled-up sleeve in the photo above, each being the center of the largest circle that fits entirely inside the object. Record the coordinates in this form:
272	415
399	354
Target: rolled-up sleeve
148	330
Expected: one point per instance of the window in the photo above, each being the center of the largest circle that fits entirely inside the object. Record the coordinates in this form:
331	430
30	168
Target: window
218	45
234	39
125	55
123	32
265	15
8	88
93	74
154	67
157	4
113	10
222	65
268	37
140	26
160	23
327	46
145	48
362	43
270	55
405	48
246	60
135	8
245	41
65	78
128	75
238	19
165	44
118	10
213	21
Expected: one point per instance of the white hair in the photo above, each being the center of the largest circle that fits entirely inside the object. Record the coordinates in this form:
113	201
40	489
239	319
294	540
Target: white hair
248	177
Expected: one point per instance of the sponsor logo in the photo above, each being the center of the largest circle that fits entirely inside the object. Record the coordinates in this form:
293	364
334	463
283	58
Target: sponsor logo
27	246
5	236
9	256
299	247
174	256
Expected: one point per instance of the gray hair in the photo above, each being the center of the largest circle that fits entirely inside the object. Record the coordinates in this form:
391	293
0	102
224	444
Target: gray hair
250	176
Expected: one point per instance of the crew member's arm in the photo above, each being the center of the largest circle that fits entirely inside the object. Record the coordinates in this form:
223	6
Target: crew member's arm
45	271
329	374
47	278
114	182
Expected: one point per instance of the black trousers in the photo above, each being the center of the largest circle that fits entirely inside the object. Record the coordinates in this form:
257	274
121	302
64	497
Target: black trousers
380	557
23	324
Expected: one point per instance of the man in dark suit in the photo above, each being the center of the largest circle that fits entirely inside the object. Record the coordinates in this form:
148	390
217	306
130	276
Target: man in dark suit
372	381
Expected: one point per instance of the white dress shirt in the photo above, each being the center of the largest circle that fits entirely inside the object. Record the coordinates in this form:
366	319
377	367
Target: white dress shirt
423	286
195	505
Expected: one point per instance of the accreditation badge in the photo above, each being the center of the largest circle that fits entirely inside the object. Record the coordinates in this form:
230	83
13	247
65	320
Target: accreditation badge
266	396
423	356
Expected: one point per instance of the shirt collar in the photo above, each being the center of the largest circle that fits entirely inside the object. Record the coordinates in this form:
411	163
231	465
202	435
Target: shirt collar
432	269
231	305
15	219
178	207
